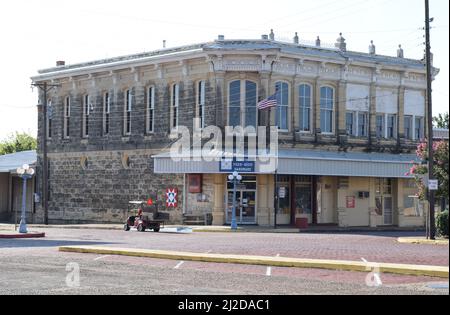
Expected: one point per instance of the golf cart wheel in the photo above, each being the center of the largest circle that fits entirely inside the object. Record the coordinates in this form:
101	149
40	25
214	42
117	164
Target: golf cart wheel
141	228
156	230
126	227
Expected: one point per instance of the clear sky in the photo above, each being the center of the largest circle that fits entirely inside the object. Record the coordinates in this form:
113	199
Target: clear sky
34	34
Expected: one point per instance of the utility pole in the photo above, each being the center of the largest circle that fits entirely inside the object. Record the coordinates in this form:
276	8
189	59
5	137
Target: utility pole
432	229
45	88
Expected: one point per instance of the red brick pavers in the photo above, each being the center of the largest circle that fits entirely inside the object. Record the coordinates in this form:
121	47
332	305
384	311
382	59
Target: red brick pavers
373	247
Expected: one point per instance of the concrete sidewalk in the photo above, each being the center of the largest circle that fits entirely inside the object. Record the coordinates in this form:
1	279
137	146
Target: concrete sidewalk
422	240
418	270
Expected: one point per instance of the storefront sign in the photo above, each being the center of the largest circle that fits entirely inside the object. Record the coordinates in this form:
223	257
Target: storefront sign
230	166
351	202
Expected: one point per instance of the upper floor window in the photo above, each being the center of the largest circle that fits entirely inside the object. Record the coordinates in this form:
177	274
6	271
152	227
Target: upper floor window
282	89
419	128
380	126
128	108
175	97
67	117
363	124
350	123
326	109
408	120
151	109
86	113
242	101
391	127
107	113
49	119
201	90
305	101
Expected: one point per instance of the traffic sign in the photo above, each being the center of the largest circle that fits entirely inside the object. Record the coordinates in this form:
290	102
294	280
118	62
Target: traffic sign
433	184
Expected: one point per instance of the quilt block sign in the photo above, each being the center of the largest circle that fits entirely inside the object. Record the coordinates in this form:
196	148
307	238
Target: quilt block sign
172	197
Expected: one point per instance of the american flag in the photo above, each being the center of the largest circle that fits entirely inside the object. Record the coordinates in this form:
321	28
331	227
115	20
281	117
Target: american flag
269	102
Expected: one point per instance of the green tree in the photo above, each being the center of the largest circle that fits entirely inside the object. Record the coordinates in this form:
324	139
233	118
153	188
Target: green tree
441	121
440	168
17	143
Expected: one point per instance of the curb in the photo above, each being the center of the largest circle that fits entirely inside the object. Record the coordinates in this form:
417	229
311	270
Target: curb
404	269
420	241
22	236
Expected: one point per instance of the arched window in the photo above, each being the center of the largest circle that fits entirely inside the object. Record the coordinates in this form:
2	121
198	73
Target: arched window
305	102
250	103
128	108
282	89
67	117
326	109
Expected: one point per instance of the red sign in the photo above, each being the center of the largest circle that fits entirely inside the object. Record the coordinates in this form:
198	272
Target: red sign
172	198
351	202
150	202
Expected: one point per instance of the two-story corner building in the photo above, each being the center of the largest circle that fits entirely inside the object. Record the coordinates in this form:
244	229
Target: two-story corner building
348	122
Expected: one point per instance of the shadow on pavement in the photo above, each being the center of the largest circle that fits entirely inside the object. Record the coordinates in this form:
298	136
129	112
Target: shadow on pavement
35	243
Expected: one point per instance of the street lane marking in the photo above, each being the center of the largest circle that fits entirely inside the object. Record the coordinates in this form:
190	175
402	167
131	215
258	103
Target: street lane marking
269	271
101	257
179	265
364	260
208	252
278	255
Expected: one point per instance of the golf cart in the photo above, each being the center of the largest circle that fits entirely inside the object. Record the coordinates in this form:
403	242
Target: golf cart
144	217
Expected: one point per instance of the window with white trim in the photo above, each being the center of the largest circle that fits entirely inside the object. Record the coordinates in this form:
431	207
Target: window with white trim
419	128
67	117
151	109
242	101
128	109
107	113
49	119
326	109
305	102
350	123
282	89
391	127
408	122
86	112
201	94
363	124
380	126
175	98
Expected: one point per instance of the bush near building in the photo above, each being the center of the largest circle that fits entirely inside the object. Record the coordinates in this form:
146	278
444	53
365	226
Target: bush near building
442	223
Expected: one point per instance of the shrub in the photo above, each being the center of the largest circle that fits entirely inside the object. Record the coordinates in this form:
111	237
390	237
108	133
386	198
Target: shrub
442	223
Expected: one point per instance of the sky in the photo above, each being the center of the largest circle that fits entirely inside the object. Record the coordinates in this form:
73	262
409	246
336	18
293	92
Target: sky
35	34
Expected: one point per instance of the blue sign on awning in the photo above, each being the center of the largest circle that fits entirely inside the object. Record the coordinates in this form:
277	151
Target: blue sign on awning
230	166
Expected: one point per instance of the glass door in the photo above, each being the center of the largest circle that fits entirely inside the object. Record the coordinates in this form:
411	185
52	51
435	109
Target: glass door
245	201
384	201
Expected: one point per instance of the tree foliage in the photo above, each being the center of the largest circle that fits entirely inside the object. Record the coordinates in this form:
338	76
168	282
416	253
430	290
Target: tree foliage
440	168
441	121
17	142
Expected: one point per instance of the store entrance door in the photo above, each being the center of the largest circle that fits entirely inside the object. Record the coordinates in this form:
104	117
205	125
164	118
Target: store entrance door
245	201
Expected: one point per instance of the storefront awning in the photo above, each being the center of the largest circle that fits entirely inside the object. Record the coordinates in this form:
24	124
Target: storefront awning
302	162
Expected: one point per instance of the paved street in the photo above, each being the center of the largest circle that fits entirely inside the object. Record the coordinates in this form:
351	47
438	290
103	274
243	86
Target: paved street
36	267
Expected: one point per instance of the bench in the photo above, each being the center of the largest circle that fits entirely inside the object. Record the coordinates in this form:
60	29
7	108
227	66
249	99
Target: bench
189	219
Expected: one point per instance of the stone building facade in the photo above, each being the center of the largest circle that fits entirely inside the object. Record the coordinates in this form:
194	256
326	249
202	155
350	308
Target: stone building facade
348	123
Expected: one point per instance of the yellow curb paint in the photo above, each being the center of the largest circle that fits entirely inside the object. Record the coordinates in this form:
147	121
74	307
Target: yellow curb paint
418	270
406	240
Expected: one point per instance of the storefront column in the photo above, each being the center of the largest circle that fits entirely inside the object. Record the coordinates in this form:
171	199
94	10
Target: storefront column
373	216
219	200
342	206
263	212
271	199
398	191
